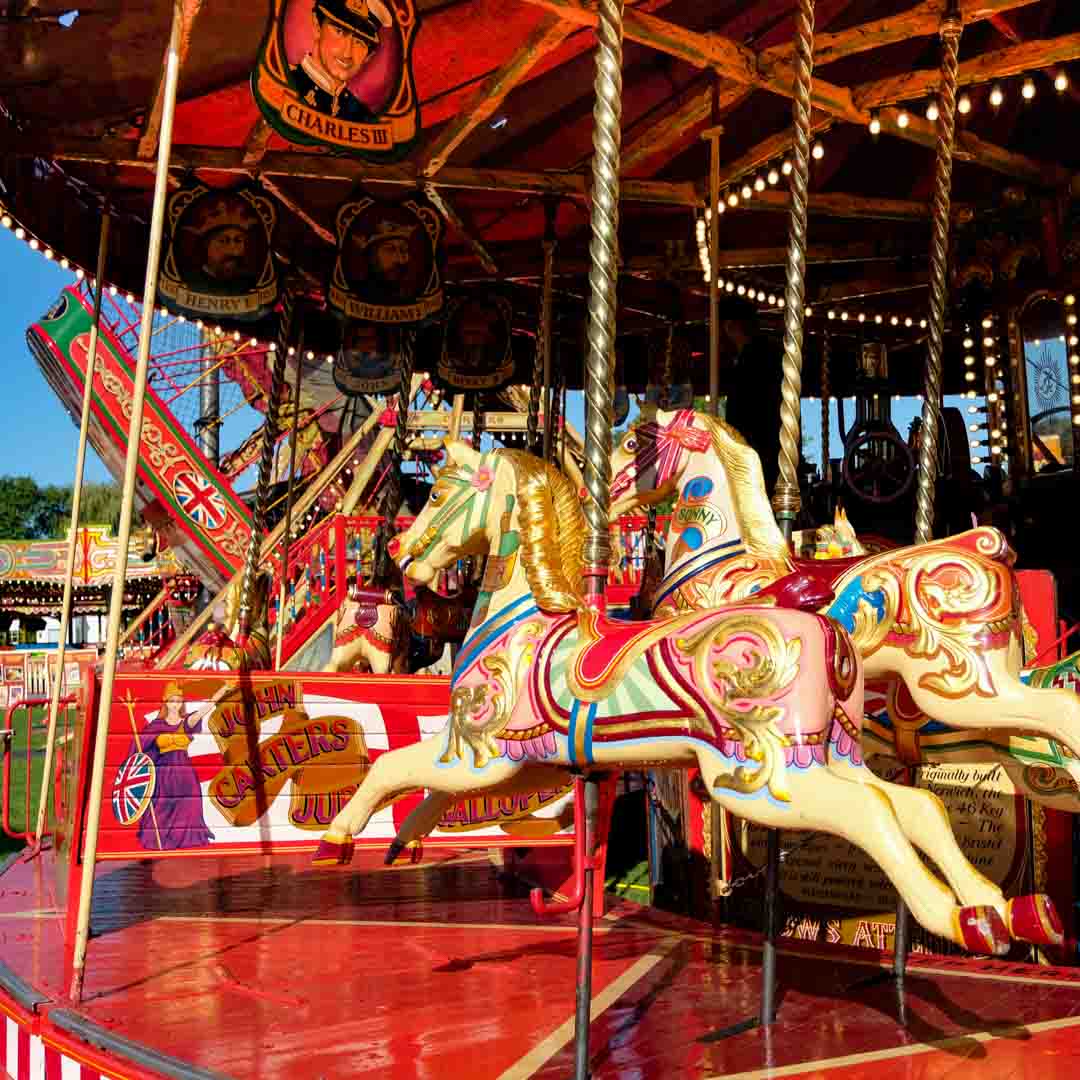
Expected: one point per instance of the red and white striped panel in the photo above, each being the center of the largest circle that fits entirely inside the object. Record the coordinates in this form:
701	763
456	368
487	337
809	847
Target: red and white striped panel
26	1057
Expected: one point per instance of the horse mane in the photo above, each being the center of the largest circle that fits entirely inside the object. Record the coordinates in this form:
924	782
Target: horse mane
552	532
742	466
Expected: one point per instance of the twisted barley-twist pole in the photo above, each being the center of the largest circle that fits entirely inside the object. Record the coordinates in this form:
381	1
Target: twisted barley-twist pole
392	493
603	250
786	500
542	359
266	461
951	27
826	356
669	349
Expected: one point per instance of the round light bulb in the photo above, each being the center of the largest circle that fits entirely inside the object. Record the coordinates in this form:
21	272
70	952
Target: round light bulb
902	119
1061	82
862	317
843	316
922	324
741	290
879	319
932	110
997	96
786	167
909	322
832	314
759	184
1070	299
747	191
809	312
875	124
895	320
733	198
818	151
774	176
969	375
963	104
1028	89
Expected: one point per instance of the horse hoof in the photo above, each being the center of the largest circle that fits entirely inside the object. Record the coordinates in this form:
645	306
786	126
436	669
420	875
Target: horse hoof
416	851
980	929
392	852
334	851
1034	918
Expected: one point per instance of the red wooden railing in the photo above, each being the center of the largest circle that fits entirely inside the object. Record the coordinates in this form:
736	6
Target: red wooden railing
30	792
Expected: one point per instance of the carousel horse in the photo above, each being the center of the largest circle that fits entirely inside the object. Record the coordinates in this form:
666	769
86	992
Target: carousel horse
762	699
220	647
939	624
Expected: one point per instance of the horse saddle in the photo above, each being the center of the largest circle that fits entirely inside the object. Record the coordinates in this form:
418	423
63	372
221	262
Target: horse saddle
368	601
802	590
825	572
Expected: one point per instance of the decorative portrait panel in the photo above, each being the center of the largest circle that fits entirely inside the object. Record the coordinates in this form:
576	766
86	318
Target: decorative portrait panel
477	345
337	73
219	261
369	361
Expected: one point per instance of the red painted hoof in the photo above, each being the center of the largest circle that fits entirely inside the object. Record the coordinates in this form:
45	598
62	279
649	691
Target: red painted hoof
981	930
334	851
1034	918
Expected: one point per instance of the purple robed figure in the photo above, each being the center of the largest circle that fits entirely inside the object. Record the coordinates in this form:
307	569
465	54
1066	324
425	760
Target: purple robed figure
174	818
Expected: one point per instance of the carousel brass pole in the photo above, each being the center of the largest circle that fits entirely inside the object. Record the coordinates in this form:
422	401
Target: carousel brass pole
786	500
599	414
286	536
266	461
826	356
541	384
76	508
392	497
127	506
951	26
713	136
457	410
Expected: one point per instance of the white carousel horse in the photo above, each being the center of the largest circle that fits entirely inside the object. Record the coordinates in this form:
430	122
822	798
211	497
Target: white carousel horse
766	702
939	623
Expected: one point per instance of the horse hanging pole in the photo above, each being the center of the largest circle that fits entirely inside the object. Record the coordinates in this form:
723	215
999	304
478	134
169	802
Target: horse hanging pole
266	460
392	496
826	356
599	395
56	689
127	504
786	500
951	27
713	135
286	535
541	382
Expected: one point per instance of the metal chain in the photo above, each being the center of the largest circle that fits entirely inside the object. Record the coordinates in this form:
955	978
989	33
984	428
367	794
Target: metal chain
603	272
727	888
951	27
826	356
541	361
786	500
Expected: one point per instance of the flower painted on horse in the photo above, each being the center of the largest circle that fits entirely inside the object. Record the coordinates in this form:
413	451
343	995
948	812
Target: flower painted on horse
483	478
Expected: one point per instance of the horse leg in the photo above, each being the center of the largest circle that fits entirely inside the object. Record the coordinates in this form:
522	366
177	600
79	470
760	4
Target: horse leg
863	815
1052	713
926	824
422	821
396	772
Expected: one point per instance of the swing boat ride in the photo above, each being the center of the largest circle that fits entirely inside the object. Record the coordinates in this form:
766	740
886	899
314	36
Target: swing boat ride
363	754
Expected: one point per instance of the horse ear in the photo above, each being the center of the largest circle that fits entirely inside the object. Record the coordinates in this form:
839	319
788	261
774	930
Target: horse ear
459	452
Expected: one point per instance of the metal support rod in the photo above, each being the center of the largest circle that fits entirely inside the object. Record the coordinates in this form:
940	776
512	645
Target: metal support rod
478	418
826	356
786	500
266	461
127	505
286	535
714	260
583	996
541	383
457	411
210	409
56	690
951	27
772	928
392	498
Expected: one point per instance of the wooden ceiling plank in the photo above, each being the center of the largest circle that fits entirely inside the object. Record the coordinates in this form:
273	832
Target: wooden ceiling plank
291	204
148	141
442	203
999	64
843	205
922	20
257	142
769	149
547	37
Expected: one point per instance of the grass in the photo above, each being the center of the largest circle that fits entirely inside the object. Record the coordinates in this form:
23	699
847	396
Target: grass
17	794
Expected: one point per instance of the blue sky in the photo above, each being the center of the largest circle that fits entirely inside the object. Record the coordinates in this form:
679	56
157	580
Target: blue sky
39	438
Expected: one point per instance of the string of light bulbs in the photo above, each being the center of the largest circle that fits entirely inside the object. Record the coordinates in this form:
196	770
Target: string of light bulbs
964	103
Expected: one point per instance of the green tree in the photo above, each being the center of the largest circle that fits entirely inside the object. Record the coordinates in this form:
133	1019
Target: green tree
30	512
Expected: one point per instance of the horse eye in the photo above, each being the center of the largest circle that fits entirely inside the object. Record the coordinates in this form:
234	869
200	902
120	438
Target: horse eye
631	444
433	497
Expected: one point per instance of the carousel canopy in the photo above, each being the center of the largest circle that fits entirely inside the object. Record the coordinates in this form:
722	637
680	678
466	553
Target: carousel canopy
502	144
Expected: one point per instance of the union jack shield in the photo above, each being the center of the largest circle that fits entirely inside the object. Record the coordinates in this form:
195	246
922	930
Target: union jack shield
133	788
200	500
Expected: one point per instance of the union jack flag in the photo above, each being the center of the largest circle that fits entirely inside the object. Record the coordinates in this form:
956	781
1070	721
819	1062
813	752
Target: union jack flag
200	500
133	788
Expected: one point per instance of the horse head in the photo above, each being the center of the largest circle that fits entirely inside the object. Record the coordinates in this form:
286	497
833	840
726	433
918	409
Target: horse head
455	522
648	463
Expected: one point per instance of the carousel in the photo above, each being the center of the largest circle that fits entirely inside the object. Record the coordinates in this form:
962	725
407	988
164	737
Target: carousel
518	392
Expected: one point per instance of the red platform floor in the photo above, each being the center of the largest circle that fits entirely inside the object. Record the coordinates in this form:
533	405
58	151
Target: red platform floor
261	967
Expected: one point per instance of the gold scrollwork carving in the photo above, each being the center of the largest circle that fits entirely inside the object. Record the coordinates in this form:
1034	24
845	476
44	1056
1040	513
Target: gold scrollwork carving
727	686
